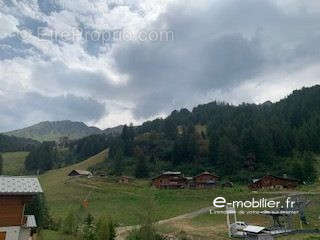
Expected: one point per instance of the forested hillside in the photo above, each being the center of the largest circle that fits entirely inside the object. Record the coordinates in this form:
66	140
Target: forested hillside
238	142
50	155
14	144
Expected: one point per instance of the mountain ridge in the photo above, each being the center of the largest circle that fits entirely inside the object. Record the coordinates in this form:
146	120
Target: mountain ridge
54	130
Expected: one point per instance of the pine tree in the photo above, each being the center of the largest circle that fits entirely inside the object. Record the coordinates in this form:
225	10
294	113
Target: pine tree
112	230
309	169
141	170
118	163
38	207
1	165
228	156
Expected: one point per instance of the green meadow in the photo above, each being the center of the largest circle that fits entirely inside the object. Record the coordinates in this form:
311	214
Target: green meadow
13	163
124	202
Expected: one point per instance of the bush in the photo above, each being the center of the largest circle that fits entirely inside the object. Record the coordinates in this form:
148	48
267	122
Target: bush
147	217
145	233
106	229
70	224
38	207
89	232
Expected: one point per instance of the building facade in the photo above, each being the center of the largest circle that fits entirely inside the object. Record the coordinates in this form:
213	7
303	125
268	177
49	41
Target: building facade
15	193
170	180
175	180
273	182
204	180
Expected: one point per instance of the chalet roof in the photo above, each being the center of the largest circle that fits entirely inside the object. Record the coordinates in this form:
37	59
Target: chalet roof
254	229
31	221
171	173
19	185
168	173
281	178
206	173
81	172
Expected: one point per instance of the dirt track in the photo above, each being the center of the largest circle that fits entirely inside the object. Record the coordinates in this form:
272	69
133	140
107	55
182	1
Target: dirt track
122	231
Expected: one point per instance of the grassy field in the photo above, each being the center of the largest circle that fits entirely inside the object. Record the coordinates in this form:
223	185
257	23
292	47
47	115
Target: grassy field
52	235
125	202
214	226
13	163
121	201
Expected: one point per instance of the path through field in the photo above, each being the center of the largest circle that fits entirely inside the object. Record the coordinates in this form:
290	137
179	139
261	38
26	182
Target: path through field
123	231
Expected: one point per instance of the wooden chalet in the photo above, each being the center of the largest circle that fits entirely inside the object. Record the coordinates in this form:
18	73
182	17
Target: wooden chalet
273	182
204	180
15	193
170	180
80	173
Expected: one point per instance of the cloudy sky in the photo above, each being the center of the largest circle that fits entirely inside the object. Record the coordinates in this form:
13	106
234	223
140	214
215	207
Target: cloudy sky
109	62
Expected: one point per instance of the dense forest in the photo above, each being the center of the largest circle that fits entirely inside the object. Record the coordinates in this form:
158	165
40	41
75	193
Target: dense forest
14	144
236	142
50	154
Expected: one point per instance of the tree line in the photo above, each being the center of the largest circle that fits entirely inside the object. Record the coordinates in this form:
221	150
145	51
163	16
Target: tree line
15	144
49	155
238	142
235	142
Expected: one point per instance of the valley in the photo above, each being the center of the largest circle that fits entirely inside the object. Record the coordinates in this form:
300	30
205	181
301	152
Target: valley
125	203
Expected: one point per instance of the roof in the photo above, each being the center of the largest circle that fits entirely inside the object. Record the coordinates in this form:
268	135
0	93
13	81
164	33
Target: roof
168	173
171	173
31	221
281	178
207	173
254	229
81	172
19	185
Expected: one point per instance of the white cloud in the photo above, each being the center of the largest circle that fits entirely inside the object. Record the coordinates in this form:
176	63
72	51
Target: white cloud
8	25
219	52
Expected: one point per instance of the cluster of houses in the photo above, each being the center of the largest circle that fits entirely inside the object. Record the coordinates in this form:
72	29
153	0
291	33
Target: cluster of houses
176	180
15	193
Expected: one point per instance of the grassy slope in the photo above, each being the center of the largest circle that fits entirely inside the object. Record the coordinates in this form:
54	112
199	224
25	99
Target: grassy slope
123	202
13	163
62	194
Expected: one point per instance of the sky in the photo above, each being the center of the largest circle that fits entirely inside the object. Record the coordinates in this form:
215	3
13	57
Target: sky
112	62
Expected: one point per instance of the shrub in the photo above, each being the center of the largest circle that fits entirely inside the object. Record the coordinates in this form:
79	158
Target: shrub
106	229
70	224
89	232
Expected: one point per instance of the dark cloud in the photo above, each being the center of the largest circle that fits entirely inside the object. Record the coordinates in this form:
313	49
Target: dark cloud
50	6
76	80
12	47
31	108
215	48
